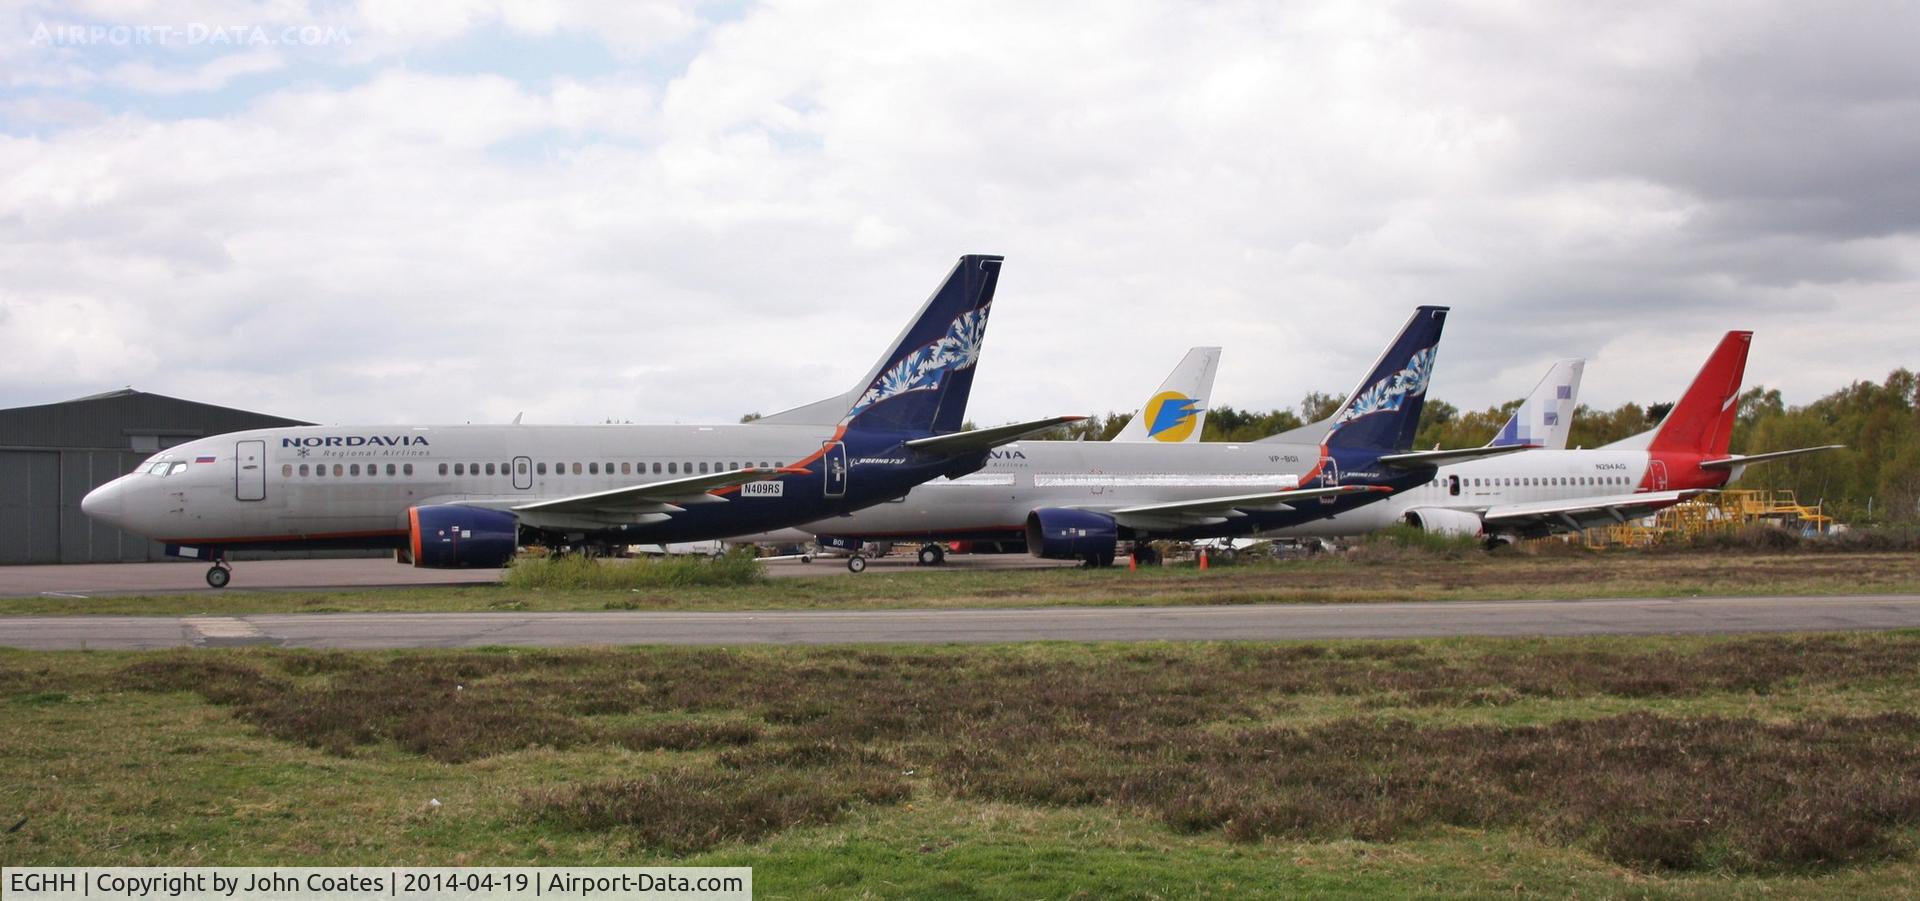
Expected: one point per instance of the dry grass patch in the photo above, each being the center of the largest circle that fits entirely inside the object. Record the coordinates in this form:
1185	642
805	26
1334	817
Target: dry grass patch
1200	737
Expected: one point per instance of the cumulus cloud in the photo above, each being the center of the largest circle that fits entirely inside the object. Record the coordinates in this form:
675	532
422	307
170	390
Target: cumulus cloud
734	209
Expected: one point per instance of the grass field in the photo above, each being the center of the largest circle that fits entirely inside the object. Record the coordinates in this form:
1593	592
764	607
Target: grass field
1679	766
1383	574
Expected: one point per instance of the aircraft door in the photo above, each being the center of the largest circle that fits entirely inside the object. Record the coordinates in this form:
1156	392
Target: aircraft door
1657	475
834	461
523	473
250	471
1329	476
1453	486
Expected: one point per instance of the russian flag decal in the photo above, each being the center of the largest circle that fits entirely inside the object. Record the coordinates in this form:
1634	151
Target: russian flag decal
203	459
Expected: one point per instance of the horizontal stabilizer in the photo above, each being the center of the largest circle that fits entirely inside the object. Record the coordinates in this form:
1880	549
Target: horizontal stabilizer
658	497
1749	460
987	439
1432	458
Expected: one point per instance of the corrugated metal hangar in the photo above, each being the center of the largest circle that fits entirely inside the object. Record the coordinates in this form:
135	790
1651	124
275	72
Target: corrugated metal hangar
53	454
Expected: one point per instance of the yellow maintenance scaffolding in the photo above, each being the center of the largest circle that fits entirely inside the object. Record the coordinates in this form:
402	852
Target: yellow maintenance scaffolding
1727	511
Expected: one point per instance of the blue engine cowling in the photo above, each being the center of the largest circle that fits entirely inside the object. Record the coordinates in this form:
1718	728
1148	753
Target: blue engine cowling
450	536
1057	533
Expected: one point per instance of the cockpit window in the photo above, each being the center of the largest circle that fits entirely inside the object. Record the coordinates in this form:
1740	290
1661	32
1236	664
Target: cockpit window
158	469
177	468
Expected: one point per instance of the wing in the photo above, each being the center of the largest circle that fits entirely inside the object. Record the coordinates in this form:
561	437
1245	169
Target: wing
636	504
1211	510
987	439
1433	458
1583	512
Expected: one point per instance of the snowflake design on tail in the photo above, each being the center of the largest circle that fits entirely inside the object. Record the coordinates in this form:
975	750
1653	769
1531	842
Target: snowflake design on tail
922	370
1391	393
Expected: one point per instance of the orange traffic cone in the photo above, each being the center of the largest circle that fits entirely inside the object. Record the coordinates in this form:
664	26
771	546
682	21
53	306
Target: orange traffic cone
1133	562
1203	558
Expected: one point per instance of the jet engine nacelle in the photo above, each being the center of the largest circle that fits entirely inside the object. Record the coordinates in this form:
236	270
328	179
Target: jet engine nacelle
1441	521
450	536
1056	533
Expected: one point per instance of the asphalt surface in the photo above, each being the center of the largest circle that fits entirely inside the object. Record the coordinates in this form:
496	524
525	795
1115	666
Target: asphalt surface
1300	621
188	577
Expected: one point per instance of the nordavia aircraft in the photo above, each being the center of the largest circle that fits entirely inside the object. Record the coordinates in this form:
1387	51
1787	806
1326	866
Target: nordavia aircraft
1079	499
454	496
1555	489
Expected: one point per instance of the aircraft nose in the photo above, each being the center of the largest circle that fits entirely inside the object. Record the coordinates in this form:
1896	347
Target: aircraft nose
107	503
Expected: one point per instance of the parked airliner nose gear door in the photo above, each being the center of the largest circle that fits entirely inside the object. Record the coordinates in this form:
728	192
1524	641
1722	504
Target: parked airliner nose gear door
250	471
835	463
523	473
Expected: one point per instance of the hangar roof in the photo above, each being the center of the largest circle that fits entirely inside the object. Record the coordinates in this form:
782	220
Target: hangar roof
125	419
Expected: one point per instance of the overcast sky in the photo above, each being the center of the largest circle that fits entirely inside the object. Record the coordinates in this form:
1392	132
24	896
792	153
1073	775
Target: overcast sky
652	211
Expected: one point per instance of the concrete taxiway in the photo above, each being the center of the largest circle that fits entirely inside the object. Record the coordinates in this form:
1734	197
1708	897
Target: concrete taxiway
1711	615
185	577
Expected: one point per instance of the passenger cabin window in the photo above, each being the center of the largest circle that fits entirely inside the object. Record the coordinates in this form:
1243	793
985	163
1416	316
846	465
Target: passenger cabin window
389	469
703	469
490	469
521	466
593	469
540	469
673	469
320	470
303	470
656	468
626	468
406	469
459	469
286	469
354	469
443	469
576	469
337	468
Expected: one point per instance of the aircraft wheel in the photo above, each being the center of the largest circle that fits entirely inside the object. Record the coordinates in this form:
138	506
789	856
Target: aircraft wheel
219	576
806	558
856	563
932	555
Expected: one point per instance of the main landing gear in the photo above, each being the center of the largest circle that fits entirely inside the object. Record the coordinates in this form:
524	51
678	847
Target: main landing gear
219	574
857	563
932	555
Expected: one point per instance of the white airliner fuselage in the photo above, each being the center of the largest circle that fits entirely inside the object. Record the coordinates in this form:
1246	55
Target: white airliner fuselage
322	483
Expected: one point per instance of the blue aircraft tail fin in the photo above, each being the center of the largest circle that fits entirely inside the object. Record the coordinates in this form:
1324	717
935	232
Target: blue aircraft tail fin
922	383
1384	411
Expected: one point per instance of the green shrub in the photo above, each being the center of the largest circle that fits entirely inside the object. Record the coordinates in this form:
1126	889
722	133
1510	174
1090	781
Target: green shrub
1402	542
574	572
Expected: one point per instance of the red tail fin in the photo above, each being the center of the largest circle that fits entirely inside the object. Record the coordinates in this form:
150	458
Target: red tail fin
1702	422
